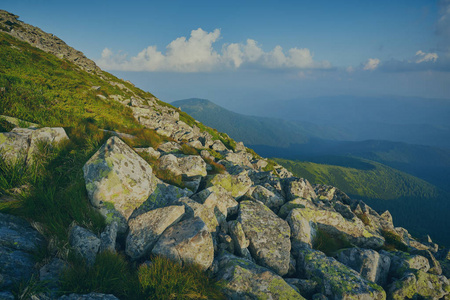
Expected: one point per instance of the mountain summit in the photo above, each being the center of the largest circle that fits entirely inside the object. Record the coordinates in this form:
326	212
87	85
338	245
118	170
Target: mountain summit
106	192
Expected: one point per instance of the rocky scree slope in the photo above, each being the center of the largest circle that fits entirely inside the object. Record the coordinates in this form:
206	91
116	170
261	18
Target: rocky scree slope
264	233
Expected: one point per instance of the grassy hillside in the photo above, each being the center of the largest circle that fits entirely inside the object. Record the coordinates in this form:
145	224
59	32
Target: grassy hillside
253	130
414	203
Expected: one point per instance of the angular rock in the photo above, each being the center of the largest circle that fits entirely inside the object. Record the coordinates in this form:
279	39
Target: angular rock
335	280
169	147
369	263
296	203
239	158
190	165
418	284
335	224
187	242
238	236
237	185
118	181
13	146
245	280
18	242
306	288
210	216
269	236
145	229
51	272
298	188
218	146
50	135
163	195
150	151
302	230
269	198
402	262
108	237
85	243
217	197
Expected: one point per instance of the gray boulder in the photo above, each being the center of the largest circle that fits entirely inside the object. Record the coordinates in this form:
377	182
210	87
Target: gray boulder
108	237
244	279
369	263
190	165
18	242
219	198
163	195
85	243
150	151
269	236
169	147
118	181
187	242
238	236
145	229
269	198
298	188
237	185
335	280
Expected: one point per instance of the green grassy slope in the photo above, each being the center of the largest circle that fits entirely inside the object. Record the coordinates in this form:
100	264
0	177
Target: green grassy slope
415	204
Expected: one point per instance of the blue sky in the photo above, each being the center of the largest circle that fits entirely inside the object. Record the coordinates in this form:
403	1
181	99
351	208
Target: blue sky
246	51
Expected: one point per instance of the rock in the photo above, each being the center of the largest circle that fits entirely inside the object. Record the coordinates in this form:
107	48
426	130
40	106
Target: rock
419	283
85	243
48	135
296	203
259	164
163	195
334	224
269	236
369	263
190	165
237	185
335	280
306	288
218	146
187	242
218	197
51	272
269	198
240	147
240	158
18	242
238	236
302	230
298	188
402	262
13	146
150	151
435	266
170	147
108	237
245	280
91	296
211	217
145	229
118	181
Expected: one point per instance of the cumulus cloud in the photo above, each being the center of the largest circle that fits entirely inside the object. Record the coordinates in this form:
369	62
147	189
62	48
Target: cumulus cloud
425	57
371	64
197	54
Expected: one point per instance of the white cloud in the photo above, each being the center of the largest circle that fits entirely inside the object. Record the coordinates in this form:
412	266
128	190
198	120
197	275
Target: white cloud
372	64
197	54
425	57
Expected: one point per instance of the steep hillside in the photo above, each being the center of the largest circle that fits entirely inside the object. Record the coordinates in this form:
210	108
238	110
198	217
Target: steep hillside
106	192
255	130
415	203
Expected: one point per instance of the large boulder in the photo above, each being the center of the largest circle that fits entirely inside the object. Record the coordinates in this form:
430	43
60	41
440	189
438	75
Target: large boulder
237	185
336	281
238	236
335	224
190	165
163	195
369	263
210	216
268	234
18	242
118	181
187	242
269	198
244	279
217	198
145	229
402	262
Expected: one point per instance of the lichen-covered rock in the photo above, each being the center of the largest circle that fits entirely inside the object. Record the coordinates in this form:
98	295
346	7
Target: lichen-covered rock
237	185
163	195
85	243
435	266
50	273
145	229
13	146
245	280
239	158
269	198
169	147
108	237
305	287
335	224
190	165
18	242
50	135
298	188
296	203
217	197
418	283
118	181
369	263
238	236
218	146
402	262
187	242
302	229
212	217
150	151
269	236
335	280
